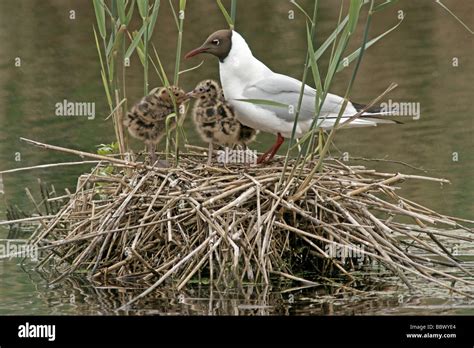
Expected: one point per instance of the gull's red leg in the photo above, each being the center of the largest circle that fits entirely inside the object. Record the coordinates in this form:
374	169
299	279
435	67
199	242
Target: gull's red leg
267	156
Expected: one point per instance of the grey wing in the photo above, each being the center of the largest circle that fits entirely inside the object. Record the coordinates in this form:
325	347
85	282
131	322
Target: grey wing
286	90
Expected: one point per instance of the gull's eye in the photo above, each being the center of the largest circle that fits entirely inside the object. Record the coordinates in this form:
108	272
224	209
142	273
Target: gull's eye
216	42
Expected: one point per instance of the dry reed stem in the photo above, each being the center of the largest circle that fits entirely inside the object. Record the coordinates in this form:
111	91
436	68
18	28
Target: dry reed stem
143	226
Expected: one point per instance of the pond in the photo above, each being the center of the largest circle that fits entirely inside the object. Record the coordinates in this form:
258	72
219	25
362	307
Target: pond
429	56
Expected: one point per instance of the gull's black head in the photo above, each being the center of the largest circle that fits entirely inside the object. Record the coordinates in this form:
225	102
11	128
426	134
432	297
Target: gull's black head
218	44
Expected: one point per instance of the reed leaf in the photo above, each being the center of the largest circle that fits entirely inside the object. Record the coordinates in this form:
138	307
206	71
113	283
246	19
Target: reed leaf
100	16
135	41
354	10
320	51
158	73
302	10
319	88
130	12
162	70
141	53
143	8
110	44
313	61
102	71
107	10
175	16
121	11
227	17
118	39
191	69
334	63
350	58
153	16
380	7
264	102
106	88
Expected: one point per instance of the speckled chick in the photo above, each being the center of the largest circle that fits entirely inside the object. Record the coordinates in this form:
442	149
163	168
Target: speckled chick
147	118
215	118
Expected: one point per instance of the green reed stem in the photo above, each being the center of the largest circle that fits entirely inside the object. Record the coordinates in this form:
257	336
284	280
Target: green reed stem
145	61
233	10
346	100
300	99
181	15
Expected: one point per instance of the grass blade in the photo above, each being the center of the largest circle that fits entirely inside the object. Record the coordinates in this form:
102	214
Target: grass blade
143	8
153	16
130	11
175	16
163	75
228	18
302	10
191	69
135	41
121	11
102	71
350	58
354	11
313	61
106	88
118	39
264	102
141	52
319	52
100	16
383	5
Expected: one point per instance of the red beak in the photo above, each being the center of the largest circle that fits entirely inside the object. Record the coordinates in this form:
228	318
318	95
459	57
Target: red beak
195	52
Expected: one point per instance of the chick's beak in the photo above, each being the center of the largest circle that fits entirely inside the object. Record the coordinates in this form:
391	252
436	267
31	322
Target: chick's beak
190	94
196	51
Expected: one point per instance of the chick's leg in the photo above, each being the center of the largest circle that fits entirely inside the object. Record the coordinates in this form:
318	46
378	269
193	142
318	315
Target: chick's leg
209	153
151	149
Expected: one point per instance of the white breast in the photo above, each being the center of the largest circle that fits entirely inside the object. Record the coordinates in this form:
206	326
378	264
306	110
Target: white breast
238	71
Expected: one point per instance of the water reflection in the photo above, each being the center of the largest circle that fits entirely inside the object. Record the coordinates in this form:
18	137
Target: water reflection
31	294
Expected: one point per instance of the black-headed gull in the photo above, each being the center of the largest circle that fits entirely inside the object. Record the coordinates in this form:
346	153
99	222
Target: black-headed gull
245	77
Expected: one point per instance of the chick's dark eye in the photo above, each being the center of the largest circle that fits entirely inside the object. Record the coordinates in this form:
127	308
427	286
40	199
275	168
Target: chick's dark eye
216	42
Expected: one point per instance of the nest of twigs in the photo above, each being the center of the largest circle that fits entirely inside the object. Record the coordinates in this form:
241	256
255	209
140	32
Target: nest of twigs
143	227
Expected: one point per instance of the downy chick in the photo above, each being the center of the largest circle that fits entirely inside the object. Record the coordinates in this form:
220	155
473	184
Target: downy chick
215	118
147	118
